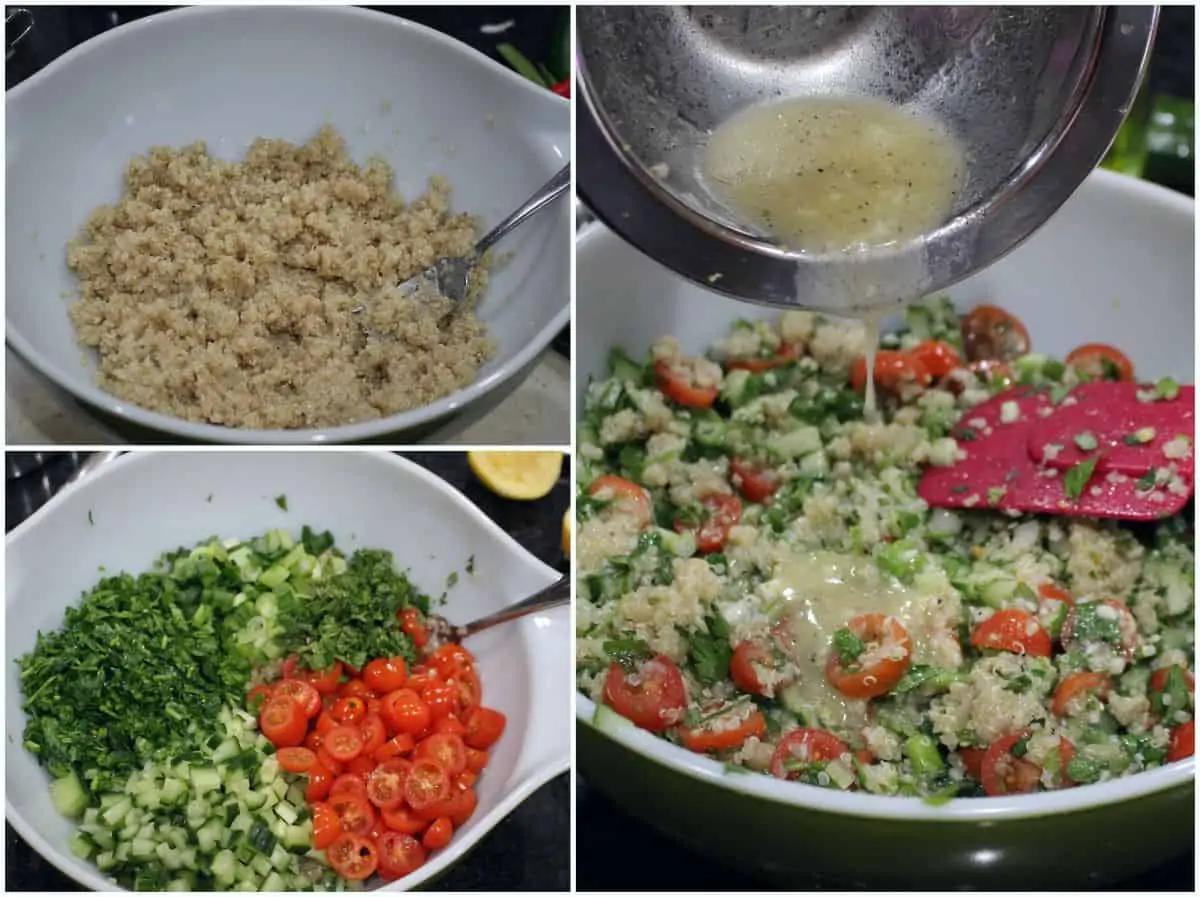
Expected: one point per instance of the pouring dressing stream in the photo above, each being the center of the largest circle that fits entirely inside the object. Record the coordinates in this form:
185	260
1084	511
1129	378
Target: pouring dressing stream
839	175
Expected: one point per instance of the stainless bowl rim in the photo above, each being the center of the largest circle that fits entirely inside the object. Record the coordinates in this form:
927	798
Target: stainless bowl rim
623	193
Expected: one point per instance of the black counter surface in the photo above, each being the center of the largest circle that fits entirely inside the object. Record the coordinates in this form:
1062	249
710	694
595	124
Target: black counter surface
530	849
533	30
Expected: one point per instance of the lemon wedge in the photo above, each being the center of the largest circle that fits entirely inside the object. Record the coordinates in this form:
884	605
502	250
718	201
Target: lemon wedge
566	533
524	476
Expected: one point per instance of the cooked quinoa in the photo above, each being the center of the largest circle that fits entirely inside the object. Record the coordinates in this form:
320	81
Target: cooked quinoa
221	292
759	581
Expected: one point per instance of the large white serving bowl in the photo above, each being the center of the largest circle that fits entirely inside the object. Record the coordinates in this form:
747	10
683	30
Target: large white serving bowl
1114	265
126	513
426	103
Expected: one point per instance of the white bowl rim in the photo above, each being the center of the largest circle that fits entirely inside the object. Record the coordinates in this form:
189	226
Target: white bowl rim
482	825
990	810
437	411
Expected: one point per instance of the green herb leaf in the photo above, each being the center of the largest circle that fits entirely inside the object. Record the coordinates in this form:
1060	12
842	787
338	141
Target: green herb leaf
281	502
628	652
848	646
710	651
521	64
1076	479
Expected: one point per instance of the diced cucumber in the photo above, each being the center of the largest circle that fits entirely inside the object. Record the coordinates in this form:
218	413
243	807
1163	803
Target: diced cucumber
68	796
82	846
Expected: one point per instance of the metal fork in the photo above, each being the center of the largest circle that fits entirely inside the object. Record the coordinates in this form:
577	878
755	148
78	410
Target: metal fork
451	277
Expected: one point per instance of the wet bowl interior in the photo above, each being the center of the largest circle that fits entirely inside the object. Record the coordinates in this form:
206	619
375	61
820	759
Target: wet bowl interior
1114	265
1007	82
424	102
365	500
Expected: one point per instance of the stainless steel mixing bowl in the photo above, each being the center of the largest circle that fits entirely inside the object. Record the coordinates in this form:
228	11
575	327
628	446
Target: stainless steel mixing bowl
1035	94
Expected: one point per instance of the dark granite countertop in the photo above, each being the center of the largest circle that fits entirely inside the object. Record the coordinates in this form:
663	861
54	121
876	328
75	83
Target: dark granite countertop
531	29
530	850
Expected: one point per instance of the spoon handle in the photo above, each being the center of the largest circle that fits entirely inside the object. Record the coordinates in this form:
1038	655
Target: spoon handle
554	595
548	192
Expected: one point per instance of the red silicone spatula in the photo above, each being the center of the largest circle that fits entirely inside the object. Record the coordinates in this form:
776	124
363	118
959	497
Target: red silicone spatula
1115	450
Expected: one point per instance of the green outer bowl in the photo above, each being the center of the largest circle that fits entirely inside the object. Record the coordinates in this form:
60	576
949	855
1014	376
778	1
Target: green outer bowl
795	847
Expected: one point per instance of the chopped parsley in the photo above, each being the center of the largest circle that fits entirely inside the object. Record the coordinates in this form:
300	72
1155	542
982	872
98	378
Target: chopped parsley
1076	479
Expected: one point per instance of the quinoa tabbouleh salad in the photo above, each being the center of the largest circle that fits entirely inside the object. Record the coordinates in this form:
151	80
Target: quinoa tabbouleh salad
760	582
261	714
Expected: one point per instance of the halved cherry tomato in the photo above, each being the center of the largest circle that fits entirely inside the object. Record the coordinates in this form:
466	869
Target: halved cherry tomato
362	766
563	88
652	697
385	674
893	370
312	740
802	747
413	626
325	722
876	671
992	334
403	819
937	357
1050	592
1001	772
302	693
320	780
465	780
1099	361
723	512
449	725
296	759
477	760
354	688
400	854
326	759
348	784
258	695
324	681
627	496
746	656
325	825
467	801
354	812
447	751
470	691
400	746
1012	630
1183	742
353	857
756	482
427	783
677	387
1158	679
1077	685
349	709
422	676
484	728
787	352
972	761
385	786
703	739
439	833
282	721
374	733
451	660
404	711
343	743
441	699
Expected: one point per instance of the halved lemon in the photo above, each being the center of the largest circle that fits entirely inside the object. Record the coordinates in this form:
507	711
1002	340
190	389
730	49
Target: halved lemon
566	532
523	476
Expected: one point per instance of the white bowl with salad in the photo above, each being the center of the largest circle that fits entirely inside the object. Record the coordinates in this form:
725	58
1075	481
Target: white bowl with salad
248	694
773	626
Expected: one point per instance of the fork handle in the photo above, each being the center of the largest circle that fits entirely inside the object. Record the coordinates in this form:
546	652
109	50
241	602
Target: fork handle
554	595
549	192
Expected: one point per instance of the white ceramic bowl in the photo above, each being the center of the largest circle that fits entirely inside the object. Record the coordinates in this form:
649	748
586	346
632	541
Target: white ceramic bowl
1114	265
230	74
145	503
